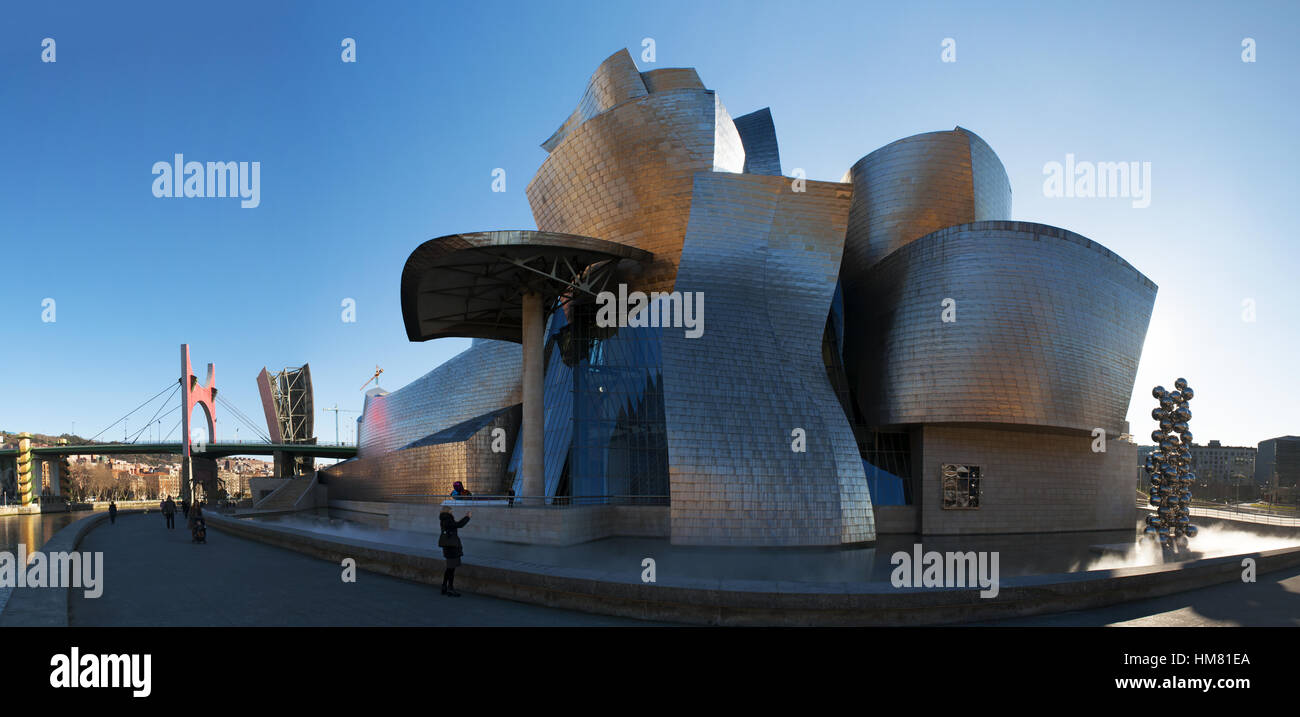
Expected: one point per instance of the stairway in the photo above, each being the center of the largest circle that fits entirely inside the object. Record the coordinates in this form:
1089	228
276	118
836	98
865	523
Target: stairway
286	496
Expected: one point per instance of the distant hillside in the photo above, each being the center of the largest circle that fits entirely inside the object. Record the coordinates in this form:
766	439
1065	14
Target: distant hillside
44	439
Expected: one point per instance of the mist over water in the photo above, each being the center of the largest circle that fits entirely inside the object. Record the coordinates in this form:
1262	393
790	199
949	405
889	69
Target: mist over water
1212	541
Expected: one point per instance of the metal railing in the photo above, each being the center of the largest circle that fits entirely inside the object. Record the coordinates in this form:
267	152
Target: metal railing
1237	512
560	501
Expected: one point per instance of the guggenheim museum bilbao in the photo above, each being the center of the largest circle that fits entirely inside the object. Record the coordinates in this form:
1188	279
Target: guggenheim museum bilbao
890	353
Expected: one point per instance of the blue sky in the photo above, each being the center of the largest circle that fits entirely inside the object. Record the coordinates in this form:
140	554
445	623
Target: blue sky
362	162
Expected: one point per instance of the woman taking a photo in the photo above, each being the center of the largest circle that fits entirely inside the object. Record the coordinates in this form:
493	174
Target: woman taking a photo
452	550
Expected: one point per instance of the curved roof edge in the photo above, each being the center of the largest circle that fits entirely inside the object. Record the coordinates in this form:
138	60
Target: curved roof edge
479	278
1019	227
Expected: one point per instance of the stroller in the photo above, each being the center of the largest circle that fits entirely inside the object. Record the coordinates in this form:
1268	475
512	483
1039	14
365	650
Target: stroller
199	533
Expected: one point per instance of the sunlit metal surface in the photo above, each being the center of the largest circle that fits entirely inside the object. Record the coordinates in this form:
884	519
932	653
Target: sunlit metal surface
735	394
1048	330
624	173
479	380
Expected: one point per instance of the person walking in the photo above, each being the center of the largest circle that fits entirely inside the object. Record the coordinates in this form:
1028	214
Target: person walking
169	512
112	511
452	549
185	507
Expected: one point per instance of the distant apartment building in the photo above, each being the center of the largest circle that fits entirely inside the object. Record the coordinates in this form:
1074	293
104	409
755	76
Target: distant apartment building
1215	466
1278	462
1217	463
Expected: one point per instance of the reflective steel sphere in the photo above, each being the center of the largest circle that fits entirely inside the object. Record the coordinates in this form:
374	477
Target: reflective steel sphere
1180	384
1188	393
1158	391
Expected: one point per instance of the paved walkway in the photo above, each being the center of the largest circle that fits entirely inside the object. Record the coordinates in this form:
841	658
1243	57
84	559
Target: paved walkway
156	577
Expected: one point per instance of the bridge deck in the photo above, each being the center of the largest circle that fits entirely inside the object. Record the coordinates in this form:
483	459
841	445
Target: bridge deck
209	450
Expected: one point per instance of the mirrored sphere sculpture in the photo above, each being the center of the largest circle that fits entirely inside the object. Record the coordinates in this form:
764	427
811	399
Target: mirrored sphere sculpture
1169	469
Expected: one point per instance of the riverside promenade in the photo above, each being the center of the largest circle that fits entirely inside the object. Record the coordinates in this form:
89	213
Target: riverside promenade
157	577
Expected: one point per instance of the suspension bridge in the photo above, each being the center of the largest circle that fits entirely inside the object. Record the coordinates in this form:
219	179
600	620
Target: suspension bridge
28	465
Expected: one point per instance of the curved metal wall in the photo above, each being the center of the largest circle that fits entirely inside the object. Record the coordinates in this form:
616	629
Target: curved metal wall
615	80
917	185
765	259
478	380
1049	330
758	134
626	174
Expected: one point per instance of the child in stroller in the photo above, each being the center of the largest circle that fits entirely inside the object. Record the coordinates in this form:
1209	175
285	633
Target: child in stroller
199	531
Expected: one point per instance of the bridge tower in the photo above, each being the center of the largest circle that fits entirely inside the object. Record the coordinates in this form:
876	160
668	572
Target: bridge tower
64	483
205	395
25	468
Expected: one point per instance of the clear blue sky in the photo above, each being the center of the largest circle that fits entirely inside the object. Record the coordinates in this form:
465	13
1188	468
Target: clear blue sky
362	162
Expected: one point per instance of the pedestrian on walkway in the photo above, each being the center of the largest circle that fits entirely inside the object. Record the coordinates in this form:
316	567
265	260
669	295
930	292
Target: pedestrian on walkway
452	549
185	507
169	512
112	511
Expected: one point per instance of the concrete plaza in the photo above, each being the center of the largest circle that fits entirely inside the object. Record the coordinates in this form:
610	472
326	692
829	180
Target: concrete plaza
157	577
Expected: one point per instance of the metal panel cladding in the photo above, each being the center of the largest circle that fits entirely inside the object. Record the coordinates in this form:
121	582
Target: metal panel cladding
765	258
478	380
624	172
918	185
1046	329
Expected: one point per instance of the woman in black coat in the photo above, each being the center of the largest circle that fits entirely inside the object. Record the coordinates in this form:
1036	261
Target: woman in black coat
452	550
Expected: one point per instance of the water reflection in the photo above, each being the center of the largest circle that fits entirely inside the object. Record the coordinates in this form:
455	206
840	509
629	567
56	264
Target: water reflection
31	530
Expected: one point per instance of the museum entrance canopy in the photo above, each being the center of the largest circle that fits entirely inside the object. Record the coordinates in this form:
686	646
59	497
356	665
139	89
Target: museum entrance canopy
472	285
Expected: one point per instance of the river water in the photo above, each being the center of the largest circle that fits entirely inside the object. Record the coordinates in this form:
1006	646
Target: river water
30	530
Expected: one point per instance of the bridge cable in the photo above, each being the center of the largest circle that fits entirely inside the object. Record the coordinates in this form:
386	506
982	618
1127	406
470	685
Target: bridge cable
128	414
247	421
173	430
136	436
240	417
243	418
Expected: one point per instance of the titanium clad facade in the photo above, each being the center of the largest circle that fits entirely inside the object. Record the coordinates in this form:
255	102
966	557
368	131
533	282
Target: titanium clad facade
822	323
758	135
478	380
918	185
1048	332
625	175
615	81
431	466
734	395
